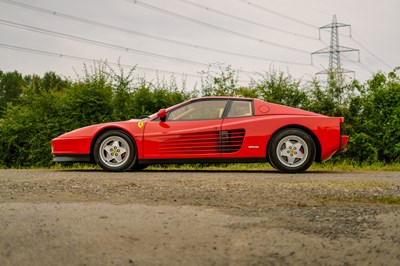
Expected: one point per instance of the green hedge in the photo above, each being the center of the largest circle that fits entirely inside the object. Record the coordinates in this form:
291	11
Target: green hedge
34	109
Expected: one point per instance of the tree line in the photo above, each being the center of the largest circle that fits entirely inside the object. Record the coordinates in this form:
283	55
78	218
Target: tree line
34	109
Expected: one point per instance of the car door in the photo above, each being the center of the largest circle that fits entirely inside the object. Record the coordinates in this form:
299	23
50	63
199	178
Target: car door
240	136
189	131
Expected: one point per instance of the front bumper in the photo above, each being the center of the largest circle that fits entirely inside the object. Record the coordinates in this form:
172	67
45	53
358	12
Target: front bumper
77	158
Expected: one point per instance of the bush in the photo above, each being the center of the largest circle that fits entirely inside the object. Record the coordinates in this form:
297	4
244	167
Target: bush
42	108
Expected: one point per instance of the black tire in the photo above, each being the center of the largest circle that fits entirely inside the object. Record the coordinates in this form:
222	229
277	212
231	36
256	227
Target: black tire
138	167
115	151
291	151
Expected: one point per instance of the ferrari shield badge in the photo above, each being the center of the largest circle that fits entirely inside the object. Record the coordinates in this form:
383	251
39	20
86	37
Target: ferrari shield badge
140	124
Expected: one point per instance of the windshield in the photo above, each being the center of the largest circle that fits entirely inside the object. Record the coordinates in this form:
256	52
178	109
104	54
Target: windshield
147	117
153	116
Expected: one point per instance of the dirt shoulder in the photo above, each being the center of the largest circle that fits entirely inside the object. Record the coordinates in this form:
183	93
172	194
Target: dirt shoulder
52	217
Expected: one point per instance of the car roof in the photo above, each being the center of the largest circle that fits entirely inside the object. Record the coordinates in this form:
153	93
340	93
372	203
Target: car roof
223	97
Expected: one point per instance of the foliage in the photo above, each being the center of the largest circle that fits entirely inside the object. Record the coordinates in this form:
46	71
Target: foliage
34	109
222	83
277	87
50	106
26	128
10	89
378	118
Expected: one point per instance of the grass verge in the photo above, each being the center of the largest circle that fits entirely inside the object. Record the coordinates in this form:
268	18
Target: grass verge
345	166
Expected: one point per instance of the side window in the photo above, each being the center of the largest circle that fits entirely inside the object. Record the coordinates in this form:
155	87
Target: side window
241	109
199	110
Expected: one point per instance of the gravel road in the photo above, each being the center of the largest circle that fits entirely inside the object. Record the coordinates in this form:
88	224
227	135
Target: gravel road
60	217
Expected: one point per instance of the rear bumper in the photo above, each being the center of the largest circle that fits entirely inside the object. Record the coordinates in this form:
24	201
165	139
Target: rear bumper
343	142
340	152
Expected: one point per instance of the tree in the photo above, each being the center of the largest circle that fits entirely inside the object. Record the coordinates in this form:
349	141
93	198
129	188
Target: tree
379	118
222	83
11	84
334	98
28	127
277	87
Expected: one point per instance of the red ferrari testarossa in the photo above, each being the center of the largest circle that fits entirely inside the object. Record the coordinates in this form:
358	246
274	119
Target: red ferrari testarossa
208	130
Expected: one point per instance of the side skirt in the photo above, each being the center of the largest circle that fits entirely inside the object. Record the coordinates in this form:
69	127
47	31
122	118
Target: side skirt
203	160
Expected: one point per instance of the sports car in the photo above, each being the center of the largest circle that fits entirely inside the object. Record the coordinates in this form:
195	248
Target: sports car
208	130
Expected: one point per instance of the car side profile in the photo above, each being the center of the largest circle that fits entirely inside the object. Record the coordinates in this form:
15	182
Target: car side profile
208	130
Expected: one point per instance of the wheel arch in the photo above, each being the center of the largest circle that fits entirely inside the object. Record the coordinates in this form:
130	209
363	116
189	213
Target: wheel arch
305	129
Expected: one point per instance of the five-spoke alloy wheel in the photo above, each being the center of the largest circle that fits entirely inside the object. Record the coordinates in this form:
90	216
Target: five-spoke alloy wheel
291	150
115	151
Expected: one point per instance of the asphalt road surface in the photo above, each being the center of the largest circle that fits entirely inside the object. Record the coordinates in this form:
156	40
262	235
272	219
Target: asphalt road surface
56	217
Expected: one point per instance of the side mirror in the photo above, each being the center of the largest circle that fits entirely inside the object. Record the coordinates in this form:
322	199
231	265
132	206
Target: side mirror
162	114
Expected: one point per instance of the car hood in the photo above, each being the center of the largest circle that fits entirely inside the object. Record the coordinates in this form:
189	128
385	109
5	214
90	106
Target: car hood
133	126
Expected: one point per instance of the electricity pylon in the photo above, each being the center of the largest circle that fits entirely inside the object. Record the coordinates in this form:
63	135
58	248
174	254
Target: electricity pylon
335	69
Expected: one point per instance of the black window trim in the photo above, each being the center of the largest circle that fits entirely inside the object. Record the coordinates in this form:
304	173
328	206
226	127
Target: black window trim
199	100
226	112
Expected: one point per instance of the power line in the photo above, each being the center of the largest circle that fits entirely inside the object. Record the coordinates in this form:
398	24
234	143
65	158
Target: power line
362	46
98	43
311	7
365	67
351	37
278	14
85	59
358	62
246	20
208	25
252	4
107	45
154	37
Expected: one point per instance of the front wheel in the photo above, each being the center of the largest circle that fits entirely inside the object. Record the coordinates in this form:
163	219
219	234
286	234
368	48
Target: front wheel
115	151
291	151
138	167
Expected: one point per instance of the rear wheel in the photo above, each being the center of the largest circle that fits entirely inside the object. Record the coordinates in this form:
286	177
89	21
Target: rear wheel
115	151
292	151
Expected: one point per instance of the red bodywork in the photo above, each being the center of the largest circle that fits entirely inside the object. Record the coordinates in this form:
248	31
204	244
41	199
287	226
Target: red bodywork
227	139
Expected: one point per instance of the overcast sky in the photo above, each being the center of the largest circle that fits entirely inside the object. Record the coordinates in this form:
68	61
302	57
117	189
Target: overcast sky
181	37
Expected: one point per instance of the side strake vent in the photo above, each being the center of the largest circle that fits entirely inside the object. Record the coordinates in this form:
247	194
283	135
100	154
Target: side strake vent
193	143
232	140
209	142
